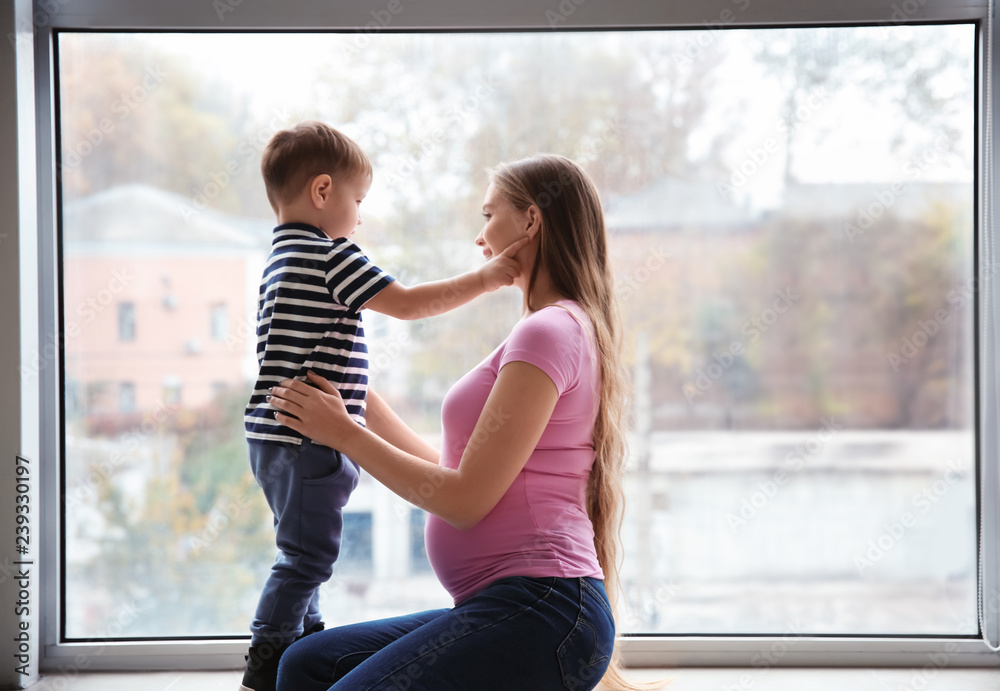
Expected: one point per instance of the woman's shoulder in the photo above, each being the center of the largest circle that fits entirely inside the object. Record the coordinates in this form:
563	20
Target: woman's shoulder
554	339
563	315
557	325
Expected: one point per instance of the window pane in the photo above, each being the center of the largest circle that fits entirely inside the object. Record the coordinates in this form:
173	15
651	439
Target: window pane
356	548
219	322
418	549
126	321
792	224
126	397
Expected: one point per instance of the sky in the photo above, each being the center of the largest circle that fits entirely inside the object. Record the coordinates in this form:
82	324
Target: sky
829	134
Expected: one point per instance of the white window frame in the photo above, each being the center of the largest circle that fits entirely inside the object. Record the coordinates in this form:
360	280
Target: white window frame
35	315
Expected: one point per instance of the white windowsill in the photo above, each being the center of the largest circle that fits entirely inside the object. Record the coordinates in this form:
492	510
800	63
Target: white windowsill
684	679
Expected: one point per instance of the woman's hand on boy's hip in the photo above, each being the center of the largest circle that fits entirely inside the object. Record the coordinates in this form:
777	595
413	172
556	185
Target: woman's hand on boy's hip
315	409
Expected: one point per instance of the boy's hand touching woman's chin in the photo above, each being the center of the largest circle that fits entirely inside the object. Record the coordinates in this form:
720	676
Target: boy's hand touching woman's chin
502	269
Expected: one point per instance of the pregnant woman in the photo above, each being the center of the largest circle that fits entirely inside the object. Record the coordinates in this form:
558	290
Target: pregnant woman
524	498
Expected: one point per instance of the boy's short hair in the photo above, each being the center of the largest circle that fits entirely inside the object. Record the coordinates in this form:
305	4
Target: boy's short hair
295	156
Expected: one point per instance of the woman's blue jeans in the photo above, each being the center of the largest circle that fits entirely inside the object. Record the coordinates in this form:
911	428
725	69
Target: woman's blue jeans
538	634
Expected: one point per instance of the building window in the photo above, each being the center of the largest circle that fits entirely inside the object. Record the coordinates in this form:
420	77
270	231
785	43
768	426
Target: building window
356	544
172	391
98	398
418	550
126	321
126	397
219	321
71	399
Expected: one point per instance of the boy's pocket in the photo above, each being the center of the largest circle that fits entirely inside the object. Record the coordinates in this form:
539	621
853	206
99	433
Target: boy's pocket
321	465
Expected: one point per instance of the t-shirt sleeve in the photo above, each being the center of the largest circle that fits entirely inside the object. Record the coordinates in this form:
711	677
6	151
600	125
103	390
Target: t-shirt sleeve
552	341
351	277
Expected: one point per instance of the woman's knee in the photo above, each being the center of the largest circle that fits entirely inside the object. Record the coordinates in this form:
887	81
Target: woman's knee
292	665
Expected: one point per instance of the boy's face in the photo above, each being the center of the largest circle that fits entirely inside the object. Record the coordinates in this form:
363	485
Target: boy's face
341	214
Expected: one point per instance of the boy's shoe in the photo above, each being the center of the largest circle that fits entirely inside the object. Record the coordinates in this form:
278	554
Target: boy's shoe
316	628
262	668
262	664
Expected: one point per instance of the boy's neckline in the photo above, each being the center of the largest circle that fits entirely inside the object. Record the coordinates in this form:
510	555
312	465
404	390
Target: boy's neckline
309	227
300	225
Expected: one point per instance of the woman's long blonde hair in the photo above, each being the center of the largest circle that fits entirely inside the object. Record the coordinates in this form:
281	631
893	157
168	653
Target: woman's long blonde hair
573	249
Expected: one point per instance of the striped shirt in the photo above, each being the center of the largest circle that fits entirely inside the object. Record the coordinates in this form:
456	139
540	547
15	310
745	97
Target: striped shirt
309	318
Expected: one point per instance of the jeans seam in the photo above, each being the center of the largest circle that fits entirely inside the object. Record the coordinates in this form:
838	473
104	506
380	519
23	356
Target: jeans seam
563	672
581	621
600	598
336	664
464	635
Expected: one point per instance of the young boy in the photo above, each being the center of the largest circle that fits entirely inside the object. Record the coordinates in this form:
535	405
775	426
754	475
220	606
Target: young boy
309	318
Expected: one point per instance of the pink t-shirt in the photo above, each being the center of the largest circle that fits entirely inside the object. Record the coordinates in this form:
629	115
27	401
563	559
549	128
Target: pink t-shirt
540	526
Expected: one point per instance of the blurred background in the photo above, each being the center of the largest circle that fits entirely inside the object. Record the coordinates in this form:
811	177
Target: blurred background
791	215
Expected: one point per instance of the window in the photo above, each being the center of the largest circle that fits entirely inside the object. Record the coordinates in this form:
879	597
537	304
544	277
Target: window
171	390
356	544
418	550
126	321
802	373
126	397
219	322
72	397
795	244
97	397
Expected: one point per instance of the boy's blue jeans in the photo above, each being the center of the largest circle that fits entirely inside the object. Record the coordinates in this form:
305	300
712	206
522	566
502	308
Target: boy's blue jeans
306	487
539	634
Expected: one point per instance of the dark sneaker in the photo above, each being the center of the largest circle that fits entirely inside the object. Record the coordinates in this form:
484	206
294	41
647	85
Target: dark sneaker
262	668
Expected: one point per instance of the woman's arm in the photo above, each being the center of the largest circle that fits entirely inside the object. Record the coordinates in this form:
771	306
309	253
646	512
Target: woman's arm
383	421
509	427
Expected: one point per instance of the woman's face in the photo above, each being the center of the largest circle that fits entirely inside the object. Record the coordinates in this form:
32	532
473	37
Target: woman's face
504	224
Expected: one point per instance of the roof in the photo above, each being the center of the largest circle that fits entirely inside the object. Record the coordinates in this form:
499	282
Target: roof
907	199
672	203
141	214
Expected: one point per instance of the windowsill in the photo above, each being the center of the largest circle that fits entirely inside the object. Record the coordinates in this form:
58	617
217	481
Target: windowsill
686	679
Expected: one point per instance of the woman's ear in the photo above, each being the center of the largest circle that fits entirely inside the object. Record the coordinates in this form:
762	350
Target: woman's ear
534	215
320	189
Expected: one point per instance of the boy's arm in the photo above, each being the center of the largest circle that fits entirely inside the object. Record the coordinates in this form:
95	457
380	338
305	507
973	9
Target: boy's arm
383	421
437	297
